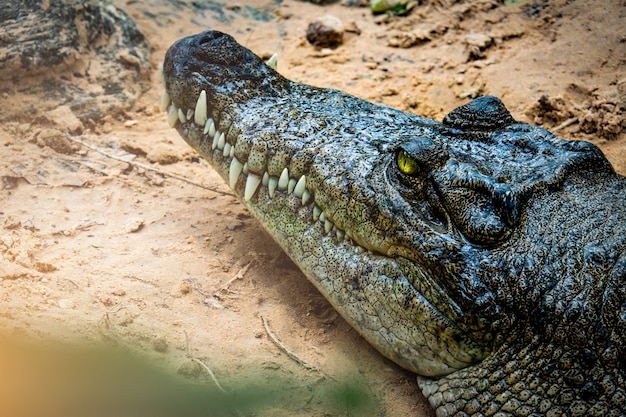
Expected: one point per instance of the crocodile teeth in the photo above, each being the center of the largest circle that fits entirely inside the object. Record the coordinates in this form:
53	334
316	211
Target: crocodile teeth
221	142
291	185
316	212
283	181
272	184
295	186
252	183
300	187
328	226
210	124
200	116
181	116
172	116
272	62
306	196
236	168
160	69
165	100
216	138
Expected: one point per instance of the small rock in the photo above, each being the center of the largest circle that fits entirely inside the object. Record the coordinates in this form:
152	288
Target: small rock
56	140
134	224
163	154
477	43
234	225
65	118
185	288
126	57
107	301
325	32
480	40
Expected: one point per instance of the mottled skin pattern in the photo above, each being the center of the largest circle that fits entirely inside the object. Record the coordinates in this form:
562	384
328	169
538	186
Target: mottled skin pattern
486	255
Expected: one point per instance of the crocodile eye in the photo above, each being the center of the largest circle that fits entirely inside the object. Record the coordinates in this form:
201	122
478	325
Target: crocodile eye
406	163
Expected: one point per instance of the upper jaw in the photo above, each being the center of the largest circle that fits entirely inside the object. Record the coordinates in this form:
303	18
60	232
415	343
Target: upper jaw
213	61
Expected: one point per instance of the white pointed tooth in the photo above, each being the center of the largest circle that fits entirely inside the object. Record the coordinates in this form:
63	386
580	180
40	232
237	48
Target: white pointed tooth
300	187
227	149
245	168
165	100
232	151
200	114
316	213
189	114
216	138
221	142
306	196
207	126
172	116
328	226
266	179
212	129
233	174
160	69
340	234
181	116
252	183
291	185
283	181
273	61
273	183
322	217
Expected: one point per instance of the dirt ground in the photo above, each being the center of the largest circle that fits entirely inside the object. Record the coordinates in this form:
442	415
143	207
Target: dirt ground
123	250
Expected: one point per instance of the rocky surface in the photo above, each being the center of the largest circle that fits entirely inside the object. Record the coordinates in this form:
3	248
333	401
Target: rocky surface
86	55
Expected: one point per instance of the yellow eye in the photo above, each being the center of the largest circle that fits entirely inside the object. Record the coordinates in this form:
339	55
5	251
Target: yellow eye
407	164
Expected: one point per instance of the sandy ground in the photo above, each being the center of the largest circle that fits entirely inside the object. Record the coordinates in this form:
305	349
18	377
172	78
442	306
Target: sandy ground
101	249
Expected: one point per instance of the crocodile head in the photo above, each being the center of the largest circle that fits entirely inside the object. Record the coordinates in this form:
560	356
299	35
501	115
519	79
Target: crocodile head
482	253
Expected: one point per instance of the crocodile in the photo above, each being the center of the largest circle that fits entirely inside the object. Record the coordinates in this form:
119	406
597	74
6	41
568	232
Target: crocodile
486	255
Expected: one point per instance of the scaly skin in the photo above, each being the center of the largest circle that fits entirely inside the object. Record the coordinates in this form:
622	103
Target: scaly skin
486	255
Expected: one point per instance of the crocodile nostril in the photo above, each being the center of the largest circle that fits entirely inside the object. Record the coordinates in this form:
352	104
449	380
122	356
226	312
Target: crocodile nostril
210	36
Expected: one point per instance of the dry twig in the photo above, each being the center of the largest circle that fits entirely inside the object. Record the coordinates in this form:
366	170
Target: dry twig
565	124
286	350
144	166
240	274
210	372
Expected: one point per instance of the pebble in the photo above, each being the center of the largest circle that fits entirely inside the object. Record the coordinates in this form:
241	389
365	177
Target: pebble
325	32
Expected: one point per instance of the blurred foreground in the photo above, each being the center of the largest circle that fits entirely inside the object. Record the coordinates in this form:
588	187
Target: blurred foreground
103	381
